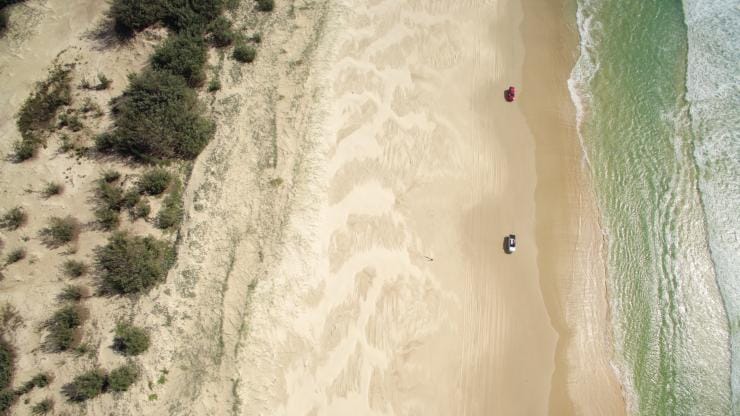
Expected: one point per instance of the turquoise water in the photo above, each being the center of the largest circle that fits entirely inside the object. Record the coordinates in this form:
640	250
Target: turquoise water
657	97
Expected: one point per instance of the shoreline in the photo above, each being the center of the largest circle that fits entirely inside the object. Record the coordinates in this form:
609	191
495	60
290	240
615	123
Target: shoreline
568	229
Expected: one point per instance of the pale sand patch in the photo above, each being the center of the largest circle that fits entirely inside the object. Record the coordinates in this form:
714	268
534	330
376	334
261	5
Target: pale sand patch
568	234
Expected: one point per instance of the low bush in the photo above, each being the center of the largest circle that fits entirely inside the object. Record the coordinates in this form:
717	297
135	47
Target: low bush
154	181
121	378
132	264
109	195
14	218
3	21
74	293
104	82
43	407
214	85
90	106
221	33
15	256
131	198
111	175
52	189
109	219
72	121
142	209
183	55
265	5
130	340
40	109
158	116
134	15
171	212
63	328
86	386
244	53
74	268
61	231
7	400
38	381
7	364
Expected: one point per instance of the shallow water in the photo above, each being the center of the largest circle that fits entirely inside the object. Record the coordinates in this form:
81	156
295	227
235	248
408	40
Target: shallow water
653	153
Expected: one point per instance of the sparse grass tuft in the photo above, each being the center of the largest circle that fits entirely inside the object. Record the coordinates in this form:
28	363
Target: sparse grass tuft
74	268
121	378
13	219
86	386
43	407
111	175
72	121
154	181
130	340
15	256
142	209
171	212
61	231
214	85
244	53
52	189
133	264
10	319
74	293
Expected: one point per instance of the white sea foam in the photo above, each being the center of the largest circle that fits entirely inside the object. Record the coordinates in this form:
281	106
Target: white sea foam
713	90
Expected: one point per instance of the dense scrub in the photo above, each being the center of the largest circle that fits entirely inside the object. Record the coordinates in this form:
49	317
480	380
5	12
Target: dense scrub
159	117
121	378
7	364
133	264
170	215
154	181
86	386
134	15
184	55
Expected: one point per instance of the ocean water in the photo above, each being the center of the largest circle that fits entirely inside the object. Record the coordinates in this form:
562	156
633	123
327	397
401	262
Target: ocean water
656	92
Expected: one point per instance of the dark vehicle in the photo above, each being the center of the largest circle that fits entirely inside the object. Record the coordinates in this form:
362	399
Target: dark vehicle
510	94
510	243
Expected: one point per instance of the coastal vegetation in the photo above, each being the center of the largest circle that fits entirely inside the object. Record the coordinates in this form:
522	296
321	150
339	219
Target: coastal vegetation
132	264
130	340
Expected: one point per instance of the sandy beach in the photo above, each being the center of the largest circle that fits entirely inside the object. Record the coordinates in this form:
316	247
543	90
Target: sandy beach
342	245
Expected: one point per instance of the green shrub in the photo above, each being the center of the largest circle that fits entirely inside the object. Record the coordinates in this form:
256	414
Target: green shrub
70	120
109	219
111	175
154	181
39	110
170	215
86	386
132	264
265	5
130	340
89	106
14	218
142	209
43	407
104	83
183	55
39	380
63	328
52	189
131	198
221	32
7	400
7	364
61	231
74	293
244	53
15	256
74	268
121	378
109	195
184	15
135	15
214	85
3	20
158	116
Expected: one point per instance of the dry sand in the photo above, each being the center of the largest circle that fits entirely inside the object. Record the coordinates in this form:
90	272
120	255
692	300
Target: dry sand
342	249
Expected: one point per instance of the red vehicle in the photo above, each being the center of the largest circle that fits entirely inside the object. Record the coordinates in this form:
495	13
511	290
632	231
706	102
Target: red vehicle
510	94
